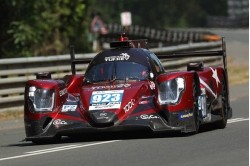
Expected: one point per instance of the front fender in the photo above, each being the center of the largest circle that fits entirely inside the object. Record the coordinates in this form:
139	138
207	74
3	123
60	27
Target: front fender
60	95
186	99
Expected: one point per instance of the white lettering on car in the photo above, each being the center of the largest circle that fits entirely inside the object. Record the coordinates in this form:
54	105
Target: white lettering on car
69	108
144	116
130	104
122	57
63	92
111	86
59	122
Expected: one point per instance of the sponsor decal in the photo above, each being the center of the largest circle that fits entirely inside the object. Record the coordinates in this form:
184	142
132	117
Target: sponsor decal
63	92
144	102
122	57
208	88
111	86
69	108
151	85
59	122
145	116
215	76
106	99
187	115
130	104
102	115
32	94
100	106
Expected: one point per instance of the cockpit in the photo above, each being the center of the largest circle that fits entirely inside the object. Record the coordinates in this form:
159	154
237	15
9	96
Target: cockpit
117	71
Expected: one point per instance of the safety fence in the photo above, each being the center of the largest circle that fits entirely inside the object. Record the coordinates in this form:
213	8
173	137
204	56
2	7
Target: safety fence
15	72
155	36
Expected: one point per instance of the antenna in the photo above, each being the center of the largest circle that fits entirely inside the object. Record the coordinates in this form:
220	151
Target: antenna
123	36
72	57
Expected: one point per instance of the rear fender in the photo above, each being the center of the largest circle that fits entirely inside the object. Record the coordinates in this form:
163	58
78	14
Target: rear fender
211	80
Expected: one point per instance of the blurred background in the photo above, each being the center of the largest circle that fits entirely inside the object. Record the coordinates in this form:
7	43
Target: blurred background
41	28
35	36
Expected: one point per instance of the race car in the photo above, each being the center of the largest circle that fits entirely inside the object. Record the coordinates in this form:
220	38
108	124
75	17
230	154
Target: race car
127	88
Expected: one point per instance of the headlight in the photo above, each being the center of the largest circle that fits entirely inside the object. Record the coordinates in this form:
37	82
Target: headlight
169	91
42	99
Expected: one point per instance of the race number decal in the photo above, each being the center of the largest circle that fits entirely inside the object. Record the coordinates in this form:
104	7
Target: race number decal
106	99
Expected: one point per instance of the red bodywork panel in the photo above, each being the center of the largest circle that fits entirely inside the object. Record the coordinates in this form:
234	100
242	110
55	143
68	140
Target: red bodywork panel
211	80
186	101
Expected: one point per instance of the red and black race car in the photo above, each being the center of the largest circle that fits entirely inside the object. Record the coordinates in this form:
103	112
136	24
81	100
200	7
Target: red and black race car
126	88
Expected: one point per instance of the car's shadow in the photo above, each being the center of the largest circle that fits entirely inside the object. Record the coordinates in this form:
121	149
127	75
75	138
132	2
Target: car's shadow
124	135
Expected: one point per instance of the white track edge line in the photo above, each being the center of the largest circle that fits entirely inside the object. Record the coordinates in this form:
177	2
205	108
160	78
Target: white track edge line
56	148
237	120
33	154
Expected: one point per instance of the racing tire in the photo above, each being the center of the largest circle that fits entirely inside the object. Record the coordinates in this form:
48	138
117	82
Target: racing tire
221	124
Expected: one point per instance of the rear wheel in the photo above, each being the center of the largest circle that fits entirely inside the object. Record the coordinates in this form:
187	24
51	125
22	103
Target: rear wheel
223	122
196	113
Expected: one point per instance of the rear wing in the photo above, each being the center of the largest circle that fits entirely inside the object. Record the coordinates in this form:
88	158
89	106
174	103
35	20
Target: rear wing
221	53
142	43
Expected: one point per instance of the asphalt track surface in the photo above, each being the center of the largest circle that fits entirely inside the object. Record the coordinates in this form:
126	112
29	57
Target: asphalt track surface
229	146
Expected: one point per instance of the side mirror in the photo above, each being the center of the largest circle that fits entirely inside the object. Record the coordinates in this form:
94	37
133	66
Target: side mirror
151	75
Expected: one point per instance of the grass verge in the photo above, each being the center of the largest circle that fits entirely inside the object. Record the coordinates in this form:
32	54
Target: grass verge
238	73
10	115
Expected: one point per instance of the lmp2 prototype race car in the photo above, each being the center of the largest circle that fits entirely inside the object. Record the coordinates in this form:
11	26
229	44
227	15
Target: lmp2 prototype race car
126	88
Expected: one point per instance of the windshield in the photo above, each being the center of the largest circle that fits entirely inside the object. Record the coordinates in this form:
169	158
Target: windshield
116	71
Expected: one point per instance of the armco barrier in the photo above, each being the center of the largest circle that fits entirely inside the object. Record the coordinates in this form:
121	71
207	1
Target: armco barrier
15	72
